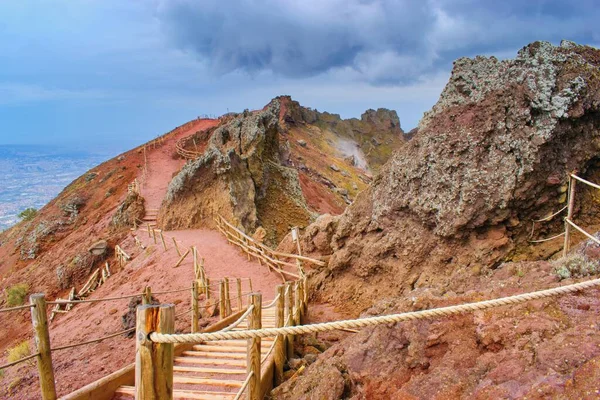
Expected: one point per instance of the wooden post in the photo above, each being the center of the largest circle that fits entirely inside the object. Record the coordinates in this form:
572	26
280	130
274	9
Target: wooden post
42	340
154	361
253	354
176	247
181	258
567	245
280	346
239	293
195	260
149	230
162	239
207	288
227	297
147	295
154	235
298	306
194	306
250	283
222	309
300	301
290	313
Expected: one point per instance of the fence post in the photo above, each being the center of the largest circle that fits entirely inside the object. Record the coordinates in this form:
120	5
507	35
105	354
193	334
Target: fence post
196	272
290	318
149	231
176	246
194	306
239	293
147	295
39	320
154	361
154	235
280	347
227	297
207	288
298	305
222	309
253	357
300	300
567	245
162	239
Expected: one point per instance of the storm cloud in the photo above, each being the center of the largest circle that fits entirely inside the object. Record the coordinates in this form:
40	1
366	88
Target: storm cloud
378	41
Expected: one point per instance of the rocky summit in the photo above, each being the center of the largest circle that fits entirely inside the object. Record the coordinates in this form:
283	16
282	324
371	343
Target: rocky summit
447	220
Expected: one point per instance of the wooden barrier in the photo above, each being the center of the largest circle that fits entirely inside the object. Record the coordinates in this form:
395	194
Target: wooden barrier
227	297
567	243
42	341
154	361
253	356
280	350
289	299
195	285
222	308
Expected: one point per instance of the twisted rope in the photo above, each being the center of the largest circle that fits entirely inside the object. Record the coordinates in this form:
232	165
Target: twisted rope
271	304
584	181
174	291
94	300
112	335
371	321
547	239
239	320
270	351
244	385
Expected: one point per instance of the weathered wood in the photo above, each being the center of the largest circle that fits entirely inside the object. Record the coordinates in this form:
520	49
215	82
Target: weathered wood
253	357
154	235
149	229
222	308
181	258
239	293
289	300
154	361
206	381
208	370
567	243
184	394
147	295
300	301
227	297
195	260
207	288
297	305
42	341
205	361
176	246
162	239
279	357
194	306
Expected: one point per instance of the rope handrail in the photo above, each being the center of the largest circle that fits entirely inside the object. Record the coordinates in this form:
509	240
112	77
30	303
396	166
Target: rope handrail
17	308
112	335
547	239
239	320
173	291
272	303
581	230
244	386
19	361
584	181
268	353
183	313
549	217
371	321
94	300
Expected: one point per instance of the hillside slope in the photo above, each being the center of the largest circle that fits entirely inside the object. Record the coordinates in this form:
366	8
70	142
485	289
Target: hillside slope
446	212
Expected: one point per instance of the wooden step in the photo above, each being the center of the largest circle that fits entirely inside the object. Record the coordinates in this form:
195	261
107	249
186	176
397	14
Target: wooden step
206	381
218	349
214	354
183	394
205	370
207	361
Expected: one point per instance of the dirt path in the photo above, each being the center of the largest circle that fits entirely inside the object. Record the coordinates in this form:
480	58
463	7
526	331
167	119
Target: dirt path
162	166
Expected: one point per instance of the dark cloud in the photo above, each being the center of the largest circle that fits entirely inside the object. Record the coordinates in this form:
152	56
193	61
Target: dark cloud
381	41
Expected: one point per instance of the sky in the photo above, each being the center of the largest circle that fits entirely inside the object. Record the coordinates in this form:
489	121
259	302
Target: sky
111	74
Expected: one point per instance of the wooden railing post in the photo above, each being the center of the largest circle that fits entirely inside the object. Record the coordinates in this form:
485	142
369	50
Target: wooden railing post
253	354
154	361
162	239
300	300
280	349
176	246
222	309
298	305
42	340
154	235
147	295
567	245
207	288
227	297
289	299
149	230
194	306
239	293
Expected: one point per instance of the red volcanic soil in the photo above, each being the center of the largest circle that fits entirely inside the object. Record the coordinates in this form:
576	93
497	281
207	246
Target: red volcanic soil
151	266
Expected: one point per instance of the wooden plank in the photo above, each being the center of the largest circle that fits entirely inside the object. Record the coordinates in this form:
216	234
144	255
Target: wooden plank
183	394
214	355
204	361
42	341
181	258
205	370
206	381
220	349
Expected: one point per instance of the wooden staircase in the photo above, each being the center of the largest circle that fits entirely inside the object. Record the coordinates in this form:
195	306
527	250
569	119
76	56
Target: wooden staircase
150	217
212	370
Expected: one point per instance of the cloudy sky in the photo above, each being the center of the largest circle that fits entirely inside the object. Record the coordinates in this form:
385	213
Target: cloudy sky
115	73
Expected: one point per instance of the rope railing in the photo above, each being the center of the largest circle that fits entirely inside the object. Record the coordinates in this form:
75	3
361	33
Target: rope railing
95	300
17	308
174	291
548	239
112	335
19	361
268	353
239	320
271	304
568	221
372	321
183	313
244	386
585	181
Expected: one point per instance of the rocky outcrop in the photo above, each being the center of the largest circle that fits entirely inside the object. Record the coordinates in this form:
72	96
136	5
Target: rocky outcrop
452	205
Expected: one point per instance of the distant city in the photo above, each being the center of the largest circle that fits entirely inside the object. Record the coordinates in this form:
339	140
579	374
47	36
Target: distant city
31	176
